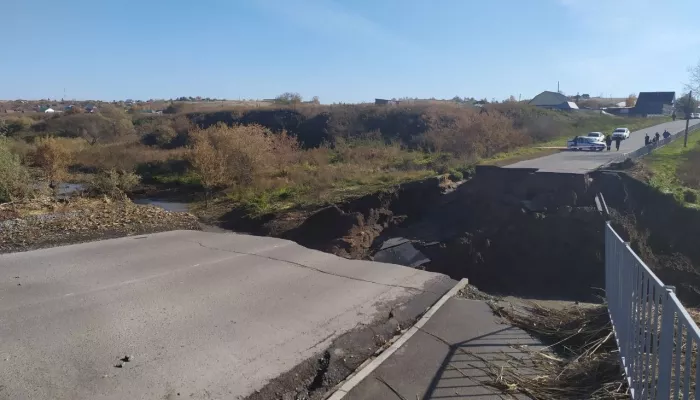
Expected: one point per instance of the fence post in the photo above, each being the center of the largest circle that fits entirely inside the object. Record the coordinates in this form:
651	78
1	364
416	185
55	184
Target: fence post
668	313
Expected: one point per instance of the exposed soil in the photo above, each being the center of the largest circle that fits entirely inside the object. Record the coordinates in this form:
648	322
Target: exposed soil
315	377
509	231
45	222
664	233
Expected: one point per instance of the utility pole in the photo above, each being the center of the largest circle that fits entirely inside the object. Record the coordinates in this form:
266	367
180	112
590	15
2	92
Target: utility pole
687	118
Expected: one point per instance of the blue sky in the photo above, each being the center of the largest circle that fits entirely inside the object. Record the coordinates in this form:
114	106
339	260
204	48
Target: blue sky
344	50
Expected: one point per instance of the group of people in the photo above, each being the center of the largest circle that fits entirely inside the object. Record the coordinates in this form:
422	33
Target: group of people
609	139
647	141
657	137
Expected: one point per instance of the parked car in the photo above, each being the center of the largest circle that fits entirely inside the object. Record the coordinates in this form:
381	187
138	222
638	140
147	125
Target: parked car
586	143
598	135
695	116
623	133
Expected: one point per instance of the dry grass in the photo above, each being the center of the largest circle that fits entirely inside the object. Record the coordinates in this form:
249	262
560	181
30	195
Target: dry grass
581	361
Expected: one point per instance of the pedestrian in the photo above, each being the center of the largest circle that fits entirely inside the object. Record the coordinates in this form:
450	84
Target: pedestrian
657	137
667	134
608	141
673	116
646	140
617	143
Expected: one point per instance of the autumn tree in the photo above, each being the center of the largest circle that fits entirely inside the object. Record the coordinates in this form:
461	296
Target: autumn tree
288	98
53	157
209	163
631	100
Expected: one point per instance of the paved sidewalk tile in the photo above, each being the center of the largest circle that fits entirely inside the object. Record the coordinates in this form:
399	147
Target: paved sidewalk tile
443	360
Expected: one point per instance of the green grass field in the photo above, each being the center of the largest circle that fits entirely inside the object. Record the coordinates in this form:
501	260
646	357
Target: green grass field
666	167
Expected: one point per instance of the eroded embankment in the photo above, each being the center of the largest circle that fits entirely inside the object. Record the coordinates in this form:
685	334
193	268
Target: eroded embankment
664	233
510	231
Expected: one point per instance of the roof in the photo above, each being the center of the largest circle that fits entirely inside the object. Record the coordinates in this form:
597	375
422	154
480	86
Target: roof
656	97
572	105
548	98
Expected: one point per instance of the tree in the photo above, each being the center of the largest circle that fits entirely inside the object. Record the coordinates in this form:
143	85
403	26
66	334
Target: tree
694	78
512	99
315	100
631	100
53	157
288	98
74	110
681	105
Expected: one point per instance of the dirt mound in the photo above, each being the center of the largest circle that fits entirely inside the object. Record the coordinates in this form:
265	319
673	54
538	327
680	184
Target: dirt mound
45	222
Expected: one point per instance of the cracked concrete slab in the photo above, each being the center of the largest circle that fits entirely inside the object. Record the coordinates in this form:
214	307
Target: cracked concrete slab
200	314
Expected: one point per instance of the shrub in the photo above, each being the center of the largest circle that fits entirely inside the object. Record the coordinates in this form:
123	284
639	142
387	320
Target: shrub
456	175
240	155
13	126
113	183
14	177
53	157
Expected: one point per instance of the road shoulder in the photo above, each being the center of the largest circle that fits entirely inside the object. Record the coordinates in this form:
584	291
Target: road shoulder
316	376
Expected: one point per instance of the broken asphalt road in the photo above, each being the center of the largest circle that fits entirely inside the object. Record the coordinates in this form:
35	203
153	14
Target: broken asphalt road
200	315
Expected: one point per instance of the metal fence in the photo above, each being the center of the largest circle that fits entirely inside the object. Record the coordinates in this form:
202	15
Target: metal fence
657	338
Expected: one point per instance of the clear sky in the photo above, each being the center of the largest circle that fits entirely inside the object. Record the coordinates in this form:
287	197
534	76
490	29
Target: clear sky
343	50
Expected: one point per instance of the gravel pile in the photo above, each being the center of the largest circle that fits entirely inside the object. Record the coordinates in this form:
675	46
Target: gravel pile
44	222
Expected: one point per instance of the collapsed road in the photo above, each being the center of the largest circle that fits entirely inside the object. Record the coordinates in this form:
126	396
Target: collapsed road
186	314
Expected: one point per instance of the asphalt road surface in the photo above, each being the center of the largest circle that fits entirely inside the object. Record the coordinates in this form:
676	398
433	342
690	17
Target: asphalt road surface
203	315
585	161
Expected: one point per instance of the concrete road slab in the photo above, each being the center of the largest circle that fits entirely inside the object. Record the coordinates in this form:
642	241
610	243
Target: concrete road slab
443	360
584	161
204	315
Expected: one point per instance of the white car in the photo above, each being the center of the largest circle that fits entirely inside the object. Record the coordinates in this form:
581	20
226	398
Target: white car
598	135
694	115
622	133
585	143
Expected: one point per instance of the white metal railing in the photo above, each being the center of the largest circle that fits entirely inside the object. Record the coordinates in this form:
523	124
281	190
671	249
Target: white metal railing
657	338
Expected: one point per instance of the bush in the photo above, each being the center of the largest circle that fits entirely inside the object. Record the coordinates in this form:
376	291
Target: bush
113	183
456	175
14	177
53	157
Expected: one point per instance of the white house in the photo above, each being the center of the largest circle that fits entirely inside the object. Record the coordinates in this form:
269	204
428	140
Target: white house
49	110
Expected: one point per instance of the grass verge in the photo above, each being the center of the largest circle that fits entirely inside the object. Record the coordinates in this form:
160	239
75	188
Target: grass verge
675	169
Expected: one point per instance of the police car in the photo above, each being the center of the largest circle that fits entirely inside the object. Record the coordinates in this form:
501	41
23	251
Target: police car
586	143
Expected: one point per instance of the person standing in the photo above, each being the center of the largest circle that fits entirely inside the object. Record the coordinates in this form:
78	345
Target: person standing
608	141
617	143
657	137
646	140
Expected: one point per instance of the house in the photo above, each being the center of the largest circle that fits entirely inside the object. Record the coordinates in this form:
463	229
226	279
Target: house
381	102
553	101
90	108
654	103
49	110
